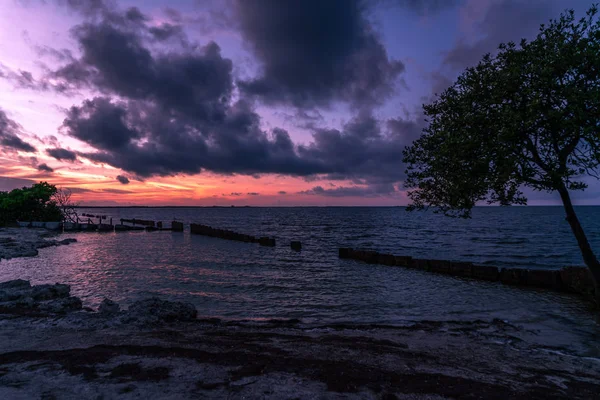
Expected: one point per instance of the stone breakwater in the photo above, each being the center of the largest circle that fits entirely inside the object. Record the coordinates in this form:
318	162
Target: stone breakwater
199	229
569	279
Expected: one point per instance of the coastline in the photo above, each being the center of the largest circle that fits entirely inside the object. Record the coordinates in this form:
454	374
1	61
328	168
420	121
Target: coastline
159	349
50	345
21	242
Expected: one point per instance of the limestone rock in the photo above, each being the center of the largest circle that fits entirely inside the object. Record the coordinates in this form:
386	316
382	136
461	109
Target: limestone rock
109	307
155	309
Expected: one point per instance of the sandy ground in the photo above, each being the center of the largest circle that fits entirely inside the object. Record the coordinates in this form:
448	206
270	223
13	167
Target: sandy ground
51	348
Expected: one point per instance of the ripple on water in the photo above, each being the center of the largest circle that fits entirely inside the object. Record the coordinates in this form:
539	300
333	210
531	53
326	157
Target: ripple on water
245	281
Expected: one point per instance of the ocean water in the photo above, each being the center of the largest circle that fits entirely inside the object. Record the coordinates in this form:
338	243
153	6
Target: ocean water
235	280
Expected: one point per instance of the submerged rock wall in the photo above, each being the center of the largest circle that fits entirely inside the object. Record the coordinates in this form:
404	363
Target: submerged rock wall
199	229
569	279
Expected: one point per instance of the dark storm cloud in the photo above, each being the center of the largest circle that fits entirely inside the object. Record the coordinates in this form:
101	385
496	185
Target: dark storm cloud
375	190
362	149
62	154
422	6
44	168
314	52
9	135
123	179
165	113
505	20
114	60
140	138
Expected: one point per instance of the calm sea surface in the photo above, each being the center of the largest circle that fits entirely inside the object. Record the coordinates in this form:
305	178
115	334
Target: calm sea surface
236	280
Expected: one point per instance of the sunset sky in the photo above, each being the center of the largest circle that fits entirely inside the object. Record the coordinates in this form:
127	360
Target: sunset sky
244	102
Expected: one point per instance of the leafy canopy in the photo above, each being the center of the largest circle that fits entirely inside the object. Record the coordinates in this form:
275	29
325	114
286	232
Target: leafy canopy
33	203
529	116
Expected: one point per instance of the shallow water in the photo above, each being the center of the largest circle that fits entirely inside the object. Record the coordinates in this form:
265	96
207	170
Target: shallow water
245	281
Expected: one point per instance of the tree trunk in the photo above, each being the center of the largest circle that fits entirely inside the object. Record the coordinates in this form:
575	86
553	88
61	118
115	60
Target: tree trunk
586	250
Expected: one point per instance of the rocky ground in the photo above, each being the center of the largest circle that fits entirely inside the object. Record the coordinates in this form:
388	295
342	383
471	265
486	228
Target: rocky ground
52	348
20	242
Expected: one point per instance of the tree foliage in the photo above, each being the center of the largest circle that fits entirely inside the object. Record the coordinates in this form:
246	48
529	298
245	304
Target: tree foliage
528	116
33	203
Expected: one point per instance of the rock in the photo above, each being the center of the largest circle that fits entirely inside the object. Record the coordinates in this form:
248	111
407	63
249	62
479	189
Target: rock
577	280
109	307
403	261
386	259
462	269
344	252
296	245
61	306
155	309
544	278
439	266
15	284
420	264
485	272
67	241
267	241
513	276
49	292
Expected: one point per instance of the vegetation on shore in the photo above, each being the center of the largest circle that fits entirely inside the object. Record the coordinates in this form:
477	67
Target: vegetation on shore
40	202
526	117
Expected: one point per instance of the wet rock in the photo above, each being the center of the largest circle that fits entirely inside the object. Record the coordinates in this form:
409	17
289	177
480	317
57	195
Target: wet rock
462	269
485	272
109	307
155	309
61	306
544	278
344	252
420	264
19	296
439	266
577	280
403	261
267	241
296	245
15	284
513	276
49	292
386	259
67	241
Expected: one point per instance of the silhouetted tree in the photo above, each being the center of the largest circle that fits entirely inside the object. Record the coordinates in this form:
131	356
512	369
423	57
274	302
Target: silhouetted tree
33	203
62	197
528	116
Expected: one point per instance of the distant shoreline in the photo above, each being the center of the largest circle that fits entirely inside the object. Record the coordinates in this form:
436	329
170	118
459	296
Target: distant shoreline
528	206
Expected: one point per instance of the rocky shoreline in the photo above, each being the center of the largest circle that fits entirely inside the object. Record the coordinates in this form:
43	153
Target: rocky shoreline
19	242
51	347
